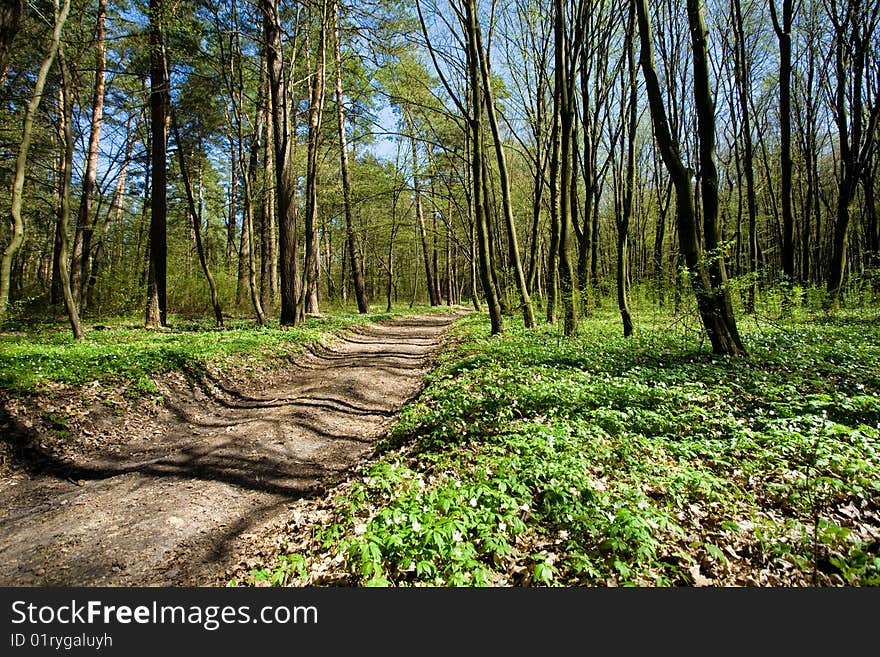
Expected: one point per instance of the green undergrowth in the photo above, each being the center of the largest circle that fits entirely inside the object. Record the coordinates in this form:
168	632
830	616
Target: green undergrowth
128	354
532	459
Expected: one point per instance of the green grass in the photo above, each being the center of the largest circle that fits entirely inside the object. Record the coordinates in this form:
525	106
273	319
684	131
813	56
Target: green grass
533	459
126	353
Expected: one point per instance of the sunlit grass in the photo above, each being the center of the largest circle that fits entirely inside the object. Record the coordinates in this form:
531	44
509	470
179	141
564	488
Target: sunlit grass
123	351
535	459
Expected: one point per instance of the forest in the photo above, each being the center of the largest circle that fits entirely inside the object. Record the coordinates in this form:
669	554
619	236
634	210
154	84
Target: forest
501	294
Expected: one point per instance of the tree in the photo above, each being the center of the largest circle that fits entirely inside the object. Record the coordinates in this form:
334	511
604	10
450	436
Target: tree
856	108
708	280
783	34
419	208
742	76
17	197
357	266
85	225
316	111
285	178
196	219
65	130
564	106
157	296
10	15
513	241
629	113
475	125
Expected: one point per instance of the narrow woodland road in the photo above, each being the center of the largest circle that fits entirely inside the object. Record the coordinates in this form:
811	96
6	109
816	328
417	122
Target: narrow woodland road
169	510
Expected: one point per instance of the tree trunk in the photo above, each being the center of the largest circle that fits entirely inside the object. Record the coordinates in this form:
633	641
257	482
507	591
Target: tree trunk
156	315
725	338
285	178
624	221
316	112
65	119
713	313
565	108
268	257
435	256
233	201
10	17
357	268
17	234
783	34
420	215
743	79
196	218
85	225
476	142
552	292
513	242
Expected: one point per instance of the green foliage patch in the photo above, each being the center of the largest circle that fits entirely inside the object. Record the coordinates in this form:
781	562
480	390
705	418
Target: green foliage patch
531	459
29	360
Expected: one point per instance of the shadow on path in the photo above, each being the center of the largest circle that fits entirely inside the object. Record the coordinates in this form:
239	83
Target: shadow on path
167	508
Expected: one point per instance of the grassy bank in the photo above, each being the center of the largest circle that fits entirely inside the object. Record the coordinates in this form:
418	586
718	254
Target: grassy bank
126	353
532	459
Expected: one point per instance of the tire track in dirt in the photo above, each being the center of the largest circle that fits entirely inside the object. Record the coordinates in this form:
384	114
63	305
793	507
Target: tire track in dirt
170	510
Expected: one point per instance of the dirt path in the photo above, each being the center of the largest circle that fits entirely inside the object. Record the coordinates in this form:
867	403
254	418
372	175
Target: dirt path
172	509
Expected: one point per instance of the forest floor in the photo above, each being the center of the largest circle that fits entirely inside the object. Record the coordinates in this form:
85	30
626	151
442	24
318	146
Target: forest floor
180	491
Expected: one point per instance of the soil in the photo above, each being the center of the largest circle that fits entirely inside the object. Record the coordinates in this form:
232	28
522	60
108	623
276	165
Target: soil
180	491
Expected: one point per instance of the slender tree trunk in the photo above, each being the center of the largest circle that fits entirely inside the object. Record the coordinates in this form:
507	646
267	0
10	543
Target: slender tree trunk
565	108
490	204
357	268
476	142
472	242
513	242
588	170
807	124
249	178
783	34
65	118
743	82
723	336
660	237
268	258
316	111
233	134
450	281
10	18
233	201
156	314
552	293
196	218
248	171
594	245
537	199
55	292
435	256
285	178
85	225
629	184
56	296
872	225
17	234
251	265
420	215
244	247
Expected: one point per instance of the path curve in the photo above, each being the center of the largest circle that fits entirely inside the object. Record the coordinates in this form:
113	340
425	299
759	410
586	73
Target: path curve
170	509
